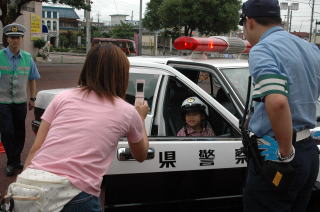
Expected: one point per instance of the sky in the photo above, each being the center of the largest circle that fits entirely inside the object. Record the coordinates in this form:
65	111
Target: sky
104	8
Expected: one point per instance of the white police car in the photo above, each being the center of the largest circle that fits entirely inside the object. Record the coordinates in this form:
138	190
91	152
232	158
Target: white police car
182	172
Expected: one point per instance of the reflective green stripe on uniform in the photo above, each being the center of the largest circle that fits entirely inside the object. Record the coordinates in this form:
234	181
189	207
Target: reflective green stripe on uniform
270	84
13	83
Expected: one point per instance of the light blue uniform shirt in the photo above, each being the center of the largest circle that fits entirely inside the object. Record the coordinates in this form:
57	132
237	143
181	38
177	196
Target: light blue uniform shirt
14	62
285	64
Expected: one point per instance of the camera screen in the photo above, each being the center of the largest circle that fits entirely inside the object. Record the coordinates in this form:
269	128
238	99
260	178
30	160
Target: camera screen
139	87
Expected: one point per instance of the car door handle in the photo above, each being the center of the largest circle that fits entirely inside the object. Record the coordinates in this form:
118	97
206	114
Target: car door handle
124	154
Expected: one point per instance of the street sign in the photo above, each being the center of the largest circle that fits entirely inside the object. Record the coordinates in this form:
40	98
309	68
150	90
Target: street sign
284	5
294	6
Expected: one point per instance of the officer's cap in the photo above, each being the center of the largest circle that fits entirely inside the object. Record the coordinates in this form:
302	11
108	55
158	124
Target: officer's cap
13	30
259	8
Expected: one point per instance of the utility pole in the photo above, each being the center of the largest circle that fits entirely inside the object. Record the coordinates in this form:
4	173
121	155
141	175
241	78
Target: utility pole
288	18
315	36
311	23
88	28
290	21
140	30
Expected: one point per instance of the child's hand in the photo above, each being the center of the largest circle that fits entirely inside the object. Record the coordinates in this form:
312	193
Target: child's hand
143	109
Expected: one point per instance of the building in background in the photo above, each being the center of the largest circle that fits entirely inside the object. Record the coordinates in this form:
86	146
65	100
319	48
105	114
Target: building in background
303	35
59	21
31	19
117	18
50	18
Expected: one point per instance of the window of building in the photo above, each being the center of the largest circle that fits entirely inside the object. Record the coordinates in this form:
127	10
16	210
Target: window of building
48	14
43	14
54	26
54	14
49	25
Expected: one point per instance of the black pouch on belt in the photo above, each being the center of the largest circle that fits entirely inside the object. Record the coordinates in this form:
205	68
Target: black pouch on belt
279	175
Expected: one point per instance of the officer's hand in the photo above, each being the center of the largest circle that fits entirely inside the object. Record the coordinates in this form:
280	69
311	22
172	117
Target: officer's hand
143	109
270	149
316	135
31	105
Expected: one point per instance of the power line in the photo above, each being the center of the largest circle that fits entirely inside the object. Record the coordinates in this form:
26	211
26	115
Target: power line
115	4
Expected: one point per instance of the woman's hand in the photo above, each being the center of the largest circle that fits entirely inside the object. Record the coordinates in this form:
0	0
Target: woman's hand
143	109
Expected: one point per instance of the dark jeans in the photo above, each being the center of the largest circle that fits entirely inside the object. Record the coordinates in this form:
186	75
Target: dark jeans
259	196
83	202
12	129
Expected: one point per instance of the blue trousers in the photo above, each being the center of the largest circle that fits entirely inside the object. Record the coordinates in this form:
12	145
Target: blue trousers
259	196
83	202
12	129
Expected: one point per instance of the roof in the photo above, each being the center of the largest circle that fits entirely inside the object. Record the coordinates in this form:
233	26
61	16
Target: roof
119	15
301	34
64	12
216	62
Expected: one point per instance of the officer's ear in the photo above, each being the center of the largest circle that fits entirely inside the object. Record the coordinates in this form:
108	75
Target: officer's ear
250	23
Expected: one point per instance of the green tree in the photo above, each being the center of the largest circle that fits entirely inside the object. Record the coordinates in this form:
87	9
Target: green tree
39	44
123	30
206	16
11	9
68	39
151	19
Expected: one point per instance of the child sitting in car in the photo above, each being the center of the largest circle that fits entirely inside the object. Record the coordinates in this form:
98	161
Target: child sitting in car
194	114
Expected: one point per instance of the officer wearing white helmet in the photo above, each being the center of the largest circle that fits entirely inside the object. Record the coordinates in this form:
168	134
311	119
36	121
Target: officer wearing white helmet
17	70
194	114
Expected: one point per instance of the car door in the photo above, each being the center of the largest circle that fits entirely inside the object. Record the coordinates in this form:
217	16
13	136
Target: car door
178	170
227	84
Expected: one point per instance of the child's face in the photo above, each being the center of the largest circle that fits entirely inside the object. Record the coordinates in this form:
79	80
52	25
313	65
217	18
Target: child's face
194	119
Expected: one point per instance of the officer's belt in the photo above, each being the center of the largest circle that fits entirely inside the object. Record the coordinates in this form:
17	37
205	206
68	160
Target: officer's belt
303	134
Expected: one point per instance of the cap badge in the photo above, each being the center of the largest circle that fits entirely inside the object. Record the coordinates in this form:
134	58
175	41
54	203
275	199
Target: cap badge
190	100
14	29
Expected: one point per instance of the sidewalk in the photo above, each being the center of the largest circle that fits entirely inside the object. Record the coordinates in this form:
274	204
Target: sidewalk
58	58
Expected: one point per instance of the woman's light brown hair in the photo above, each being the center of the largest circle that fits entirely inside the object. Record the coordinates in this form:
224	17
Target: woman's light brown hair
105	71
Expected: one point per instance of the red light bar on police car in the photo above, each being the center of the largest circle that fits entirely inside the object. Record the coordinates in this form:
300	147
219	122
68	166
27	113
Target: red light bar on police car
212	44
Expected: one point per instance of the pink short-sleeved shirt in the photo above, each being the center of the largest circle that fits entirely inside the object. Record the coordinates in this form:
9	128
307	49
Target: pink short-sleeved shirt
83	136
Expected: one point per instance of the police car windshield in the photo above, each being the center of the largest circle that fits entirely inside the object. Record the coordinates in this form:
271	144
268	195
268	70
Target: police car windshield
238	78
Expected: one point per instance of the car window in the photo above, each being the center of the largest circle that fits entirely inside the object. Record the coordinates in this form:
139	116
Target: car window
238	78
149	88
175	94
210	83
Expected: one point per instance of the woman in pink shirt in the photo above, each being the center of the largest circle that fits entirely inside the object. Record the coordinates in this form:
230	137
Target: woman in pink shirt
78	137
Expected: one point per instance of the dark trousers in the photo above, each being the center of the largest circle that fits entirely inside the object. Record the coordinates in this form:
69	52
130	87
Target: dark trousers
259	196
12	129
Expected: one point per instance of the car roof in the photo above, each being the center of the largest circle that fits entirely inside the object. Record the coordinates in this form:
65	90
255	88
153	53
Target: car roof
216	62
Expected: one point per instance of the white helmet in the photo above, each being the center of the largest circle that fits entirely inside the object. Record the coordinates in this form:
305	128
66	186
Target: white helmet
193	104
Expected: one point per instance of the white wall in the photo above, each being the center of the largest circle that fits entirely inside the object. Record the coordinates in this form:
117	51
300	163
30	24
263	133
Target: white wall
116	20
25	20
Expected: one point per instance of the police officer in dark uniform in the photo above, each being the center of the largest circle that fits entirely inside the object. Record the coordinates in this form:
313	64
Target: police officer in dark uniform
17	68
286	77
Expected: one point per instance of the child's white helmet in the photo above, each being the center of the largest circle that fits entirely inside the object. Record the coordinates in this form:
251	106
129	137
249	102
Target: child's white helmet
193	104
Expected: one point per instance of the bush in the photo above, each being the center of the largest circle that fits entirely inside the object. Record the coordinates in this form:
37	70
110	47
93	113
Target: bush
61	49
39	43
